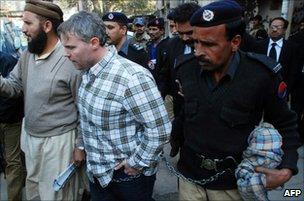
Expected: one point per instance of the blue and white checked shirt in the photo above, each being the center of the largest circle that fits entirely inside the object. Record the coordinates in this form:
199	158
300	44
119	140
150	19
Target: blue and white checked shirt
264	150
122	116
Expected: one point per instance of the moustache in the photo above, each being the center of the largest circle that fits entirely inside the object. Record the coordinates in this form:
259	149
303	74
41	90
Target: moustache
189	42
203	60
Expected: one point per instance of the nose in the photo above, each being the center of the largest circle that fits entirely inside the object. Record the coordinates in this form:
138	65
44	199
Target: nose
198	50
67	54
185	37
23	29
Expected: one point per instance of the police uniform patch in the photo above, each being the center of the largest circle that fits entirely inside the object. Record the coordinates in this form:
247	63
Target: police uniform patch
208	15
111	16
282	90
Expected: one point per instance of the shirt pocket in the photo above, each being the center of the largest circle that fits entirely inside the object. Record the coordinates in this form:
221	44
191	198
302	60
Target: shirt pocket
234	117
191	108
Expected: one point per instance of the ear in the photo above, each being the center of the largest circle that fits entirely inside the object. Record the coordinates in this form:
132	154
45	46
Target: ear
95	43
47	26
124	30
236	42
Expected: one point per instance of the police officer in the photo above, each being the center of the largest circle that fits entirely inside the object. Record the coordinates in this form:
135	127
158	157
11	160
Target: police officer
157	43
116	25
226	93
141	37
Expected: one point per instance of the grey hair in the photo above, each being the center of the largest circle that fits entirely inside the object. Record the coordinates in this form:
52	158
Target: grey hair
84	25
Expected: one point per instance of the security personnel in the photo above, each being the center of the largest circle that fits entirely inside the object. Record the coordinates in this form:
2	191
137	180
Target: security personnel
116	25
226	94
141	37
157	43
177	47
11	114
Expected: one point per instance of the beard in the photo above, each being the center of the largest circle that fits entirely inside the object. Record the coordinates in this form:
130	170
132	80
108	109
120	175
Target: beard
38	43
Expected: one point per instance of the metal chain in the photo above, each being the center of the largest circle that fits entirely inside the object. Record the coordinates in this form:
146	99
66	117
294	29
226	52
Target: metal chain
130	178
177	174
199	182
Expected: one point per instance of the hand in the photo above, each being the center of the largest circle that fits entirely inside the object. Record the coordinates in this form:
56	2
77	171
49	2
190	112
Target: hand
174	148
175	145
274	177
180	88
78	157
127	168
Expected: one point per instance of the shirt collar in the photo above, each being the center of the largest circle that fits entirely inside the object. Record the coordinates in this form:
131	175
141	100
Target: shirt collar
279	42
97	68
232	66
125	46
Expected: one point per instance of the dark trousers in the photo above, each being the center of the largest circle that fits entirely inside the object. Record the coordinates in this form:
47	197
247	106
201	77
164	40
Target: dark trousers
297	105
15	171
140	188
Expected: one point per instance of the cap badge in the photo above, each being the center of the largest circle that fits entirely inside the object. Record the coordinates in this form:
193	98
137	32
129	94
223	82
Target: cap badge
156	22
111	16
208	15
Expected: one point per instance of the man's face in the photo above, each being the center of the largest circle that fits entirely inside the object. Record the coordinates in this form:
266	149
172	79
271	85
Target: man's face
155	32
78	51
185	31
115	32
255	23
212	49
276	30
138	29
301	26
33	29
172	26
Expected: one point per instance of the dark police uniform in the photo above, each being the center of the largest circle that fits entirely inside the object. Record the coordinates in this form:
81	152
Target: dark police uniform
219	118
135	53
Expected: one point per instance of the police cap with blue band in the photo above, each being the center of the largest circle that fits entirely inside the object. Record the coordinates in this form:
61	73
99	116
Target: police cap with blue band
139	21
216	13
116	17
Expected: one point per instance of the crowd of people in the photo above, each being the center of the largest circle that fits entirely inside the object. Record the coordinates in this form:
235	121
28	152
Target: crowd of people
229	102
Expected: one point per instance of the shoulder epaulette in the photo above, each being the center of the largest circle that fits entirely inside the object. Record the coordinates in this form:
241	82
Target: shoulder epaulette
136	46
272	65
181	59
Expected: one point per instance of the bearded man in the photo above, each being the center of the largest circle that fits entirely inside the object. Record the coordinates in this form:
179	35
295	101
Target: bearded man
49	83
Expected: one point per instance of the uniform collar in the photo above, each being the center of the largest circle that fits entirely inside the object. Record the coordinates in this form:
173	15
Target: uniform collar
125	46
233	65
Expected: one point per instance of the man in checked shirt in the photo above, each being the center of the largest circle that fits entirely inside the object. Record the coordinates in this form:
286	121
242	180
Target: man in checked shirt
123	118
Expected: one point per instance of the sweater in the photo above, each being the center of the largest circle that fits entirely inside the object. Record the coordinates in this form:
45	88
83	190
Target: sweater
49	87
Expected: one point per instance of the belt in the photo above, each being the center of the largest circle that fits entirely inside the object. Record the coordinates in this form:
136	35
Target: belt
217	164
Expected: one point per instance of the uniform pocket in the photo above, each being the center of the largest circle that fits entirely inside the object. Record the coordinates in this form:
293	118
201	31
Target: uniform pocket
234	117
191	108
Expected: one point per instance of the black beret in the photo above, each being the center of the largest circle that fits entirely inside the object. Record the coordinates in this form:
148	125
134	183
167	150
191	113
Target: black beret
257	17
116	17
157	22
171	15
216	13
